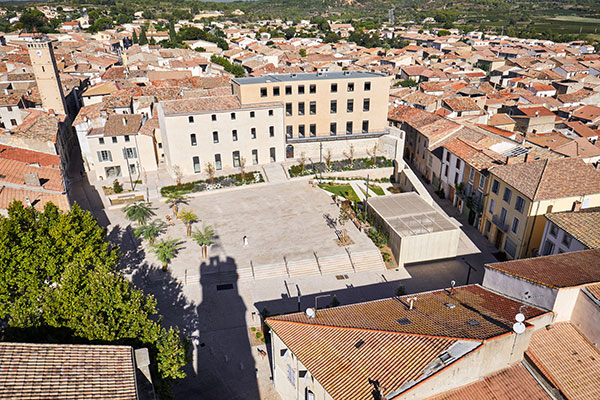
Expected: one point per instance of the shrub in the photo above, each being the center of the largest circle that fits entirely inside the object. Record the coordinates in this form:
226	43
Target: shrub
401	291
219	181
339	165
117	187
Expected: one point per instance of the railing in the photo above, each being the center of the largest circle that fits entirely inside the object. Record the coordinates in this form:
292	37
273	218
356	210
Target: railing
500	223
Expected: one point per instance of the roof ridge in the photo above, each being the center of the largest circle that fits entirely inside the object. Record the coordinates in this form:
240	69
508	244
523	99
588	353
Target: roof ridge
374	330
537	187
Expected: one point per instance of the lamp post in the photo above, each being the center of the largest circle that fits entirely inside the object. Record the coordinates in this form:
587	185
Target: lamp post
318	297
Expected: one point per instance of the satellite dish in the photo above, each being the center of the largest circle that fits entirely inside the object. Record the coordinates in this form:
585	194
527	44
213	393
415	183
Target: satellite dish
520	317
519	327
310	313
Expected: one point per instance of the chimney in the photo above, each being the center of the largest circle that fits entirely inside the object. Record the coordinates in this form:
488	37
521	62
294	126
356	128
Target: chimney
576	205
526	157
412	302
32	179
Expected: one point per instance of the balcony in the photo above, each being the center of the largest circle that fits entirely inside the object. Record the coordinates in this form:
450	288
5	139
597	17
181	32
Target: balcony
500	223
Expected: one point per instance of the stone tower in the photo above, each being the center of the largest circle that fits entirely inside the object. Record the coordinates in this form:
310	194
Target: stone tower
46	75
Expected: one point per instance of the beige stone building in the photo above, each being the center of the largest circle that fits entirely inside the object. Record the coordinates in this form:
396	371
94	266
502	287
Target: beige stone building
44	67
340	108
221	131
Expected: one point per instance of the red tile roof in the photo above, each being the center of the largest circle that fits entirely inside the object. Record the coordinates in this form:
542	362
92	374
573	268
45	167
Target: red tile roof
37	199
512	383
556	271
59	371
569	361
29	156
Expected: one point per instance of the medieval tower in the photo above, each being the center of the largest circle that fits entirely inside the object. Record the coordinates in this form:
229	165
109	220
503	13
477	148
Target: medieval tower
46	75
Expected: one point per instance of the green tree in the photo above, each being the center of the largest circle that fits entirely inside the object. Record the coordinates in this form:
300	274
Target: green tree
150	231
188	217
302	52
33	19
174	199
204	237
165	251
139	212
134	37
143	39
58	282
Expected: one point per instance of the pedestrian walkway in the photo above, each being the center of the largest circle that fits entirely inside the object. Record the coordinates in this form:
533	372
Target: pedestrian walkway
275	173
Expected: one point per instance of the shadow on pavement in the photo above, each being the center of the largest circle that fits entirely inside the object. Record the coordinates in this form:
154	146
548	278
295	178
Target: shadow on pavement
131	251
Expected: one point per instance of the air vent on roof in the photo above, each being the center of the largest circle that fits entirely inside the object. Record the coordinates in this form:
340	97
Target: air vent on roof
449	305
445	356
403	321
473	322
359	343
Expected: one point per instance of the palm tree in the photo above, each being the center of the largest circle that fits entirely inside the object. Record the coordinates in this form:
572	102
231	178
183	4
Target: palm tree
165	251
139	212
174	200
204	237
150	231
188	217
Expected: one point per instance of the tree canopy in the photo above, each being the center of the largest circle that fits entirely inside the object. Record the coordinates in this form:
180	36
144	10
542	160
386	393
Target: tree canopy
57	272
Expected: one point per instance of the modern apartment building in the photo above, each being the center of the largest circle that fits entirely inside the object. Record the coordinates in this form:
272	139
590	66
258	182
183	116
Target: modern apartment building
329	107
222	131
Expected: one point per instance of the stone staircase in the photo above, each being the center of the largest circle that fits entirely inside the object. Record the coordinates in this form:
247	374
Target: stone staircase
269	271
368	260
275	173
337	264
307	266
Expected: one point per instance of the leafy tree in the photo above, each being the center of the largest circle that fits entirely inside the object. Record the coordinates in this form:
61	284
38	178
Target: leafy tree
174	200
204	237
331	37
143	39
33	19
165	251
58	284
406	83
150	231
139	212
302	52
134	37
188	217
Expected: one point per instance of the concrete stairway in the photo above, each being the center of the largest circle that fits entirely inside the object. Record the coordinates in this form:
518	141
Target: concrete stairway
275	173
269	271
368	260
335	264
303	267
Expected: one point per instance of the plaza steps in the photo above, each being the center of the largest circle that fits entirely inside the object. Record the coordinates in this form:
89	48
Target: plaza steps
335	264
303	267
276	270
275	173
245	273
368	260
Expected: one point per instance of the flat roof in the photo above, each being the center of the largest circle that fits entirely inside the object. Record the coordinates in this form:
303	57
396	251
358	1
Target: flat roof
306	76
410	215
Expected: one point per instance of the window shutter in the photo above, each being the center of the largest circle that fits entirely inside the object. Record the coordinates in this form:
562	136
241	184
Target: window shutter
125	154
99	156
109	156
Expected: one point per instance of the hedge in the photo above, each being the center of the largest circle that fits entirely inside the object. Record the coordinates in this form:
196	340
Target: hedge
218	183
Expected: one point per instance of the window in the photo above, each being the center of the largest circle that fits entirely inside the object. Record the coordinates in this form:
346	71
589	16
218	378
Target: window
366	104
312	89
519	204
132	169
510	247
215	137
104	155
160	146
236	159
9	108
313	130
101	140
289	131
129	152
288	90
300	89
334	88
553	230
254	156
291	375
332	128
507	195
350	105
503	216
197	167
367	86
126	138
566	239
313	107
213	117
458	163
112	172
218	165
114	139
365	126
191	119
301	108
349	128
447	154
234	135
301	130
548	248
193	139
270	113
333	106
272	154
271	131
253	133
252	115
232	116
472	174
263	92
351	86
275	90
481	181
288	109
495	186
515	225
492	205
488	226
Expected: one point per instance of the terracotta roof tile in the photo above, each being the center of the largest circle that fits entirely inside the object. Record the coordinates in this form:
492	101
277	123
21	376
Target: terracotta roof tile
38	199
122	124
29	156
582	225
59	371
568	360
13	172
512	383
556	271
